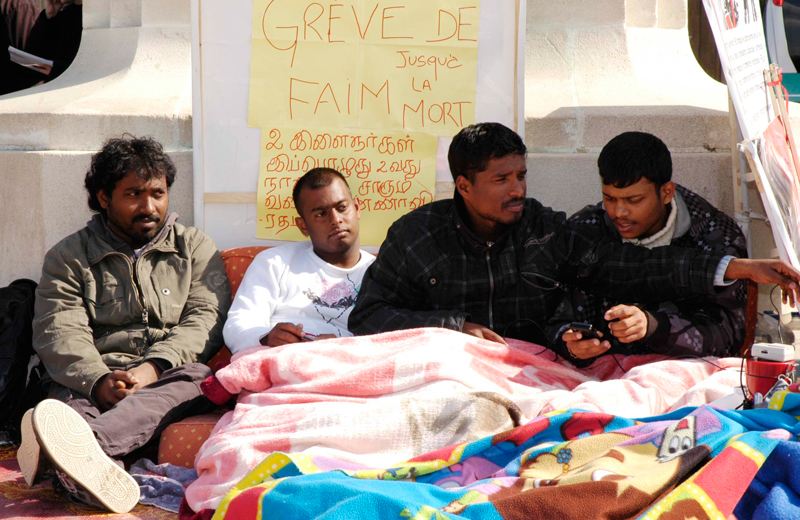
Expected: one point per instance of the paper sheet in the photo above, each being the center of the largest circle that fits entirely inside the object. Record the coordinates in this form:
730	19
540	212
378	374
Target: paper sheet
368	87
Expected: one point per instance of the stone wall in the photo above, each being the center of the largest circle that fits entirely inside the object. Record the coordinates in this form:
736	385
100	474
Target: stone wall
594	69
132	74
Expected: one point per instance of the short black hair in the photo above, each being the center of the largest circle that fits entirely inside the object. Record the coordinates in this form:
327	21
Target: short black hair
475	145
313	179
633	155
143	155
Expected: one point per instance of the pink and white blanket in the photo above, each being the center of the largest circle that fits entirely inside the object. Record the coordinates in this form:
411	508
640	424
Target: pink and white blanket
376	400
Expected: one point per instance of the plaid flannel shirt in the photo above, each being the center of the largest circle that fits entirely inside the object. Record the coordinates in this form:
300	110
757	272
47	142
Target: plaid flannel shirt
705	325
432	271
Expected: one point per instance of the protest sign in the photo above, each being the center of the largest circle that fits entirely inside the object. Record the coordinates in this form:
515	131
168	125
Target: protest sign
230	158
382	168
771	161
364	88
739	34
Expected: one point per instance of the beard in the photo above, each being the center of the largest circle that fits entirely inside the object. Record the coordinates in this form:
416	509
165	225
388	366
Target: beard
130	233
500	217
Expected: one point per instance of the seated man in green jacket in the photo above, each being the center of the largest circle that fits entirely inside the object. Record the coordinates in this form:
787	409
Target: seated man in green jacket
127	311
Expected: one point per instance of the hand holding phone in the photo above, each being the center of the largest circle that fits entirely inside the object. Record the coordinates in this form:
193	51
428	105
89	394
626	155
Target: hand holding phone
586	329
589	344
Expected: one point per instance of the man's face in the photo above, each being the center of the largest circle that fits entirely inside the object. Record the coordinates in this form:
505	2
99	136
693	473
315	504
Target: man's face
136	208
329	217
640	210
497	197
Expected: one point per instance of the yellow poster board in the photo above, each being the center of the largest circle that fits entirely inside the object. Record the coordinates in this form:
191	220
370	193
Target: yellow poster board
349	79
389	173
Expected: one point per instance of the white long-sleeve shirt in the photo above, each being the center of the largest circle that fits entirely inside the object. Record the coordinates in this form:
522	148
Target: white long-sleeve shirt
290	283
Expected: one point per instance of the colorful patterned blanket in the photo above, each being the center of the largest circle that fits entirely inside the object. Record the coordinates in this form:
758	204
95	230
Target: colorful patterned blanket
693	463
372	401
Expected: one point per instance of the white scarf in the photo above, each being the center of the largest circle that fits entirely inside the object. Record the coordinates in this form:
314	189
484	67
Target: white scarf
663	237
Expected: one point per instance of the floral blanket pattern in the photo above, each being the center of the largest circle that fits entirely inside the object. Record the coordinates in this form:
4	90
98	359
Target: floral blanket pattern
376	400
693	463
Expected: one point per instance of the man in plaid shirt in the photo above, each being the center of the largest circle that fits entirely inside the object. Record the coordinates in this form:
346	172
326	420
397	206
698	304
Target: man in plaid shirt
492	263
641	205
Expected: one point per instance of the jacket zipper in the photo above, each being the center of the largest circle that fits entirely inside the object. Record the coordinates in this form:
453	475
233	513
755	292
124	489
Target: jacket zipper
491	284
140	298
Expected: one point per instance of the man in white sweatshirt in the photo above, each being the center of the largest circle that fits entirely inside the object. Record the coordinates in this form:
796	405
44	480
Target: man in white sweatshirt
305	290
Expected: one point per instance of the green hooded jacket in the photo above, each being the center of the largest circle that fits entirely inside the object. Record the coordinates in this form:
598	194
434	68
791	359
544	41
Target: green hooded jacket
96	308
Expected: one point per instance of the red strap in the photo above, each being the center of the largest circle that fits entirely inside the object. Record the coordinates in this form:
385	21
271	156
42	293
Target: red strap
779	82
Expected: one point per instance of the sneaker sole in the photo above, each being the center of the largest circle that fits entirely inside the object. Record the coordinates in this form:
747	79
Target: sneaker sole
29	452
70	444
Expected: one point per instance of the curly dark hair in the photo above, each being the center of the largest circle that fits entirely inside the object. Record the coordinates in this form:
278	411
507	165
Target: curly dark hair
143	155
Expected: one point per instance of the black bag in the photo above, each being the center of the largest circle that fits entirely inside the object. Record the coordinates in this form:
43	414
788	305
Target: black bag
16	350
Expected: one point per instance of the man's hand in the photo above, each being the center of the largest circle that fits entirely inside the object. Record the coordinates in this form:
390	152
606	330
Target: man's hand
282	334
141	376
479	331
119	384
584	348
769	272
107	393
53	7
632	324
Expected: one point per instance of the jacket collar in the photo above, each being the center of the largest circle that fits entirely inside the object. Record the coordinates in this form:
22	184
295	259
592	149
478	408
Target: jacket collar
103	241
459	219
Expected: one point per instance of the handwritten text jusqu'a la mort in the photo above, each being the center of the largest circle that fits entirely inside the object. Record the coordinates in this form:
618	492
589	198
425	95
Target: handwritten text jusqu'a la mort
399	63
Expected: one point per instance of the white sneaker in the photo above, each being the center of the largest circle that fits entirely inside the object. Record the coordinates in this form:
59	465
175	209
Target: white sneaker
80	463
29	454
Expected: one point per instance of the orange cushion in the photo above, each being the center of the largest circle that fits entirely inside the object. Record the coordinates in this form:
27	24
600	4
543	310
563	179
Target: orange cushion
236	260
181	441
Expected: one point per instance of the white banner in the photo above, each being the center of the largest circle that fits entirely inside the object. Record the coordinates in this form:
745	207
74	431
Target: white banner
739	34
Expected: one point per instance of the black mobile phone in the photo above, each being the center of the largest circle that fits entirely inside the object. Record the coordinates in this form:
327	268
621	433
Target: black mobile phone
586	330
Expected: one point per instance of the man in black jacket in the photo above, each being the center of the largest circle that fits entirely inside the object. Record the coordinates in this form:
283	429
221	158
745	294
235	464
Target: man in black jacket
641	205
492	263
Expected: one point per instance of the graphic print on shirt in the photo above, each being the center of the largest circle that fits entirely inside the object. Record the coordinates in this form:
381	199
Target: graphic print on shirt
331	301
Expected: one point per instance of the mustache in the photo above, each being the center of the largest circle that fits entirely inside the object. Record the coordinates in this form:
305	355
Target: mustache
154	217
513	201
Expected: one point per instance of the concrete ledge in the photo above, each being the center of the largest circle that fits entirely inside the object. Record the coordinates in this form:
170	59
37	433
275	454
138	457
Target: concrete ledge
641	13
166	12
672	14
43	201
575	12
143	88
682	128
569	181
132	74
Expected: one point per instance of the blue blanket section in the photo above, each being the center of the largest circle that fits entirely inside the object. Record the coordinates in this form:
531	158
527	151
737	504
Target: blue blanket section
559	465
335	496
775	492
